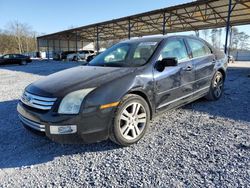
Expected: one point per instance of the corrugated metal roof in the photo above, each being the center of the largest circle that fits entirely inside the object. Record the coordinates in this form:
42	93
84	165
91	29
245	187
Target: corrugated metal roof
196	15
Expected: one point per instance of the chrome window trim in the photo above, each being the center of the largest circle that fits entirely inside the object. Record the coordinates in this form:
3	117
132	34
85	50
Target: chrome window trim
175	100
194	58
185	84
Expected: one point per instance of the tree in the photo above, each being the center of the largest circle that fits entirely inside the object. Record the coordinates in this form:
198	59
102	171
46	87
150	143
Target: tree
244	39
214	38
219	37
235	38
205	33
240	40
17	38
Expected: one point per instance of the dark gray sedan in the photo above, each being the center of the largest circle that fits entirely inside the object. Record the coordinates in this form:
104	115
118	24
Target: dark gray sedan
120	90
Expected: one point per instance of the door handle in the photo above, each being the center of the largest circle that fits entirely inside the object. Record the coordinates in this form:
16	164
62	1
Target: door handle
188	68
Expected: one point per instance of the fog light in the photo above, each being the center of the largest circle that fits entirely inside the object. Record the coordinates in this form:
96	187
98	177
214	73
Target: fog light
66	129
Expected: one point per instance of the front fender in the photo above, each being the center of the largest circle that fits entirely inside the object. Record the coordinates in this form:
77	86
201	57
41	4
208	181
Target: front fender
140	80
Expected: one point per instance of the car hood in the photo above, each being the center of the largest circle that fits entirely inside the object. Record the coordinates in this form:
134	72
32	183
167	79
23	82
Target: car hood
61	83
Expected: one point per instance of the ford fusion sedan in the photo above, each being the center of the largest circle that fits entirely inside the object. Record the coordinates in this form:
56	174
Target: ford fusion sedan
122	89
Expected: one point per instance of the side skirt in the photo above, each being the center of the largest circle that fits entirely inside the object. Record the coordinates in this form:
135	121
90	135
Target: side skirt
175	104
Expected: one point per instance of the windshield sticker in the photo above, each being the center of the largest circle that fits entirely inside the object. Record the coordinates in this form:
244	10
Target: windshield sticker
147	44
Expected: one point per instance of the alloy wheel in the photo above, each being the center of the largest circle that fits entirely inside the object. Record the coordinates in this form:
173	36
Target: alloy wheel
218	85
132	121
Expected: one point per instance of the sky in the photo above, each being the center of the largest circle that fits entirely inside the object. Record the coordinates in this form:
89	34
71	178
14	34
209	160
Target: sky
48	16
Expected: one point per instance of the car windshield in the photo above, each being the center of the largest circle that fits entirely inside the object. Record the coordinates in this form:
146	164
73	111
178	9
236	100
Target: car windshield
126	55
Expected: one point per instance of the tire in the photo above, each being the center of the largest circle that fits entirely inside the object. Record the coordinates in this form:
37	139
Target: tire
216	87
131	120
23	62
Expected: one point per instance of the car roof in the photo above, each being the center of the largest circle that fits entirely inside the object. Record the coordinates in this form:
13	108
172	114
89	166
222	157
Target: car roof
159	38
13	54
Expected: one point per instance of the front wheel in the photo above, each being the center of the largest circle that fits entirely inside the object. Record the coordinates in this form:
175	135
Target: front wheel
216	87
131	120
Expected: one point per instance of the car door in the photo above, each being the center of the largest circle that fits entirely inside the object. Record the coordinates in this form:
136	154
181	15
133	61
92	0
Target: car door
16	59
174	85
12	59
204	62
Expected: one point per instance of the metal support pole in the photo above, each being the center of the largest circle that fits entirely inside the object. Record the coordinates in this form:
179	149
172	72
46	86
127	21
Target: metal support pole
68	44
164	24
129	29
38	49
230	40
53	45
97	38
59	45
48	48
38	45
228	24
76	43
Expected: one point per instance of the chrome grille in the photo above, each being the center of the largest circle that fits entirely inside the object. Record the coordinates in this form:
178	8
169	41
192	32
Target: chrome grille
38	102
32	124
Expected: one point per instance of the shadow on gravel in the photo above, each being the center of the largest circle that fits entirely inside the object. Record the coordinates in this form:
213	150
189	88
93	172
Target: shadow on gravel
235	102
42	68
20	148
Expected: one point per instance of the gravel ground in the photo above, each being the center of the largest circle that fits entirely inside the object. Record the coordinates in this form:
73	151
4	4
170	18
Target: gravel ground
204	144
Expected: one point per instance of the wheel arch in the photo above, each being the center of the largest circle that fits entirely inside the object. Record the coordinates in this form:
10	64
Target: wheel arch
223	72
145	97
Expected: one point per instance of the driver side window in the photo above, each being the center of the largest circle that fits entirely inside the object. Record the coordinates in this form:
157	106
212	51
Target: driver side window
6	56
174	48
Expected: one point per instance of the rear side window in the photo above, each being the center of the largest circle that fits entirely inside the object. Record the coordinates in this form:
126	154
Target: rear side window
198	48
17	56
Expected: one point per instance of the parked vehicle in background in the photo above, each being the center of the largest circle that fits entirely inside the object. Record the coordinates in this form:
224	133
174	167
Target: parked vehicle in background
120	90
91	57
15	59
57	56
81	55
230	59
63	55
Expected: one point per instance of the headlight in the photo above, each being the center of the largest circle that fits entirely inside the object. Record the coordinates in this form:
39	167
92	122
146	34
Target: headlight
71	103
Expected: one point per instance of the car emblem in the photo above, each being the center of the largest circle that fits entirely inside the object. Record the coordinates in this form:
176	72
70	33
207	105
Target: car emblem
27	99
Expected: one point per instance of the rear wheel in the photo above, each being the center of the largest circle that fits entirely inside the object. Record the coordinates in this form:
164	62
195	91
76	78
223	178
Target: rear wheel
23	62
131	120
216	87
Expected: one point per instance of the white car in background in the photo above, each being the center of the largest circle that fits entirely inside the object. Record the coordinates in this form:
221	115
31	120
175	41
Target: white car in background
81	55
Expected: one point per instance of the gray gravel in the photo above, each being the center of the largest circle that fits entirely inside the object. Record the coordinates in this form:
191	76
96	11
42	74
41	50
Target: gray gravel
204	144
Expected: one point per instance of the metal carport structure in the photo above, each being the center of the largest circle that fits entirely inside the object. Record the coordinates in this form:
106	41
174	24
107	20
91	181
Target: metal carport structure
193	16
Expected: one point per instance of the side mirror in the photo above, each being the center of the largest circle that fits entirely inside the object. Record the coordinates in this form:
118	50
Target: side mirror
166	62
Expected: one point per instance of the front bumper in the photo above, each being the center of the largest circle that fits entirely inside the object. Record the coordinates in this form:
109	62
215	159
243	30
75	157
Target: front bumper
92	124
